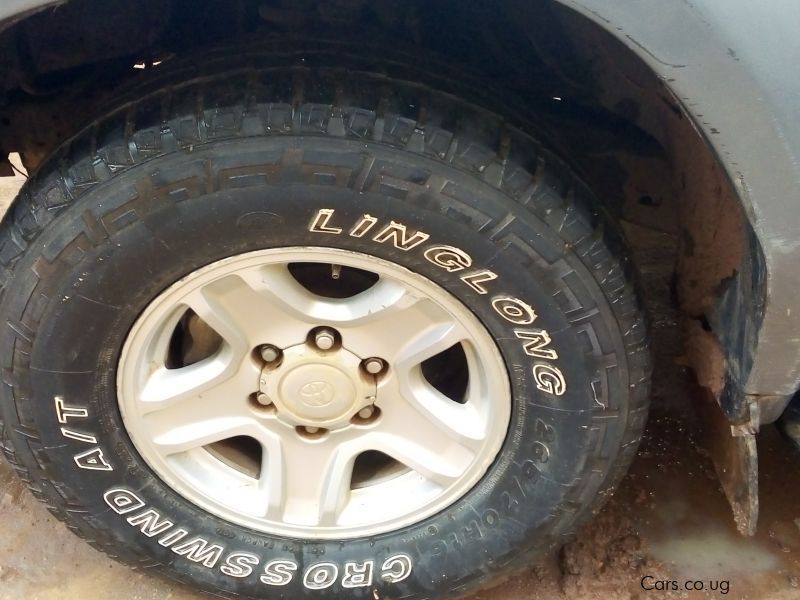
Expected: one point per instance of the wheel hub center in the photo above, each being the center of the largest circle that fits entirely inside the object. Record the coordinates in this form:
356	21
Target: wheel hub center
318	389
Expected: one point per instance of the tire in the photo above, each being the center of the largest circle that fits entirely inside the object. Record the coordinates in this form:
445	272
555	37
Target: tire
200	168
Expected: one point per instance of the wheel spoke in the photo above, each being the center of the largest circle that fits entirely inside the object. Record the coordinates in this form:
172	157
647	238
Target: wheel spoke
389	321
254	306
197	405
307	482
426	431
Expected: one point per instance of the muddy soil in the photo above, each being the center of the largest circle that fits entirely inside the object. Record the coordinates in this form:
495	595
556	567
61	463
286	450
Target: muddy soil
668	523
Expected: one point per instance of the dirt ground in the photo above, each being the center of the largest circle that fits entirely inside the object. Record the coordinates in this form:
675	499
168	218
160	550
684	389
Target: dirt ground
668	522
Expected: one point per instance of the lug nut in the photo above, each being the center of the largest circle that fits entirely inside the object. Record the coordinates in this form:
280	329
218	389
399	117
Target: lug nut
374	365
310	429
324	339
263	399
366	412
270	353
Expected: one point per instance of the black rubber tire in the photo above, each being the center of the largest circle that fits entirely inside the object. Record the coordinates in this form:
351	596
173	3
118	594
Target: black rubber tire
207	167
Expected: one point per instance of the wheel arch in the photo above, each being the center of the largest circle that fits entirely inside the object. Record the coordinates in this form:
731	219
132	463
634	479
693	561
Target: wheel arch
725	67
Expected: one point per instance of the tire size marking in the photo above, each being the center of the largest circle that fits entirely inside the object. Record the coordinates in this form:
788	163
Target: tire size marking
535	342
276	572
93	459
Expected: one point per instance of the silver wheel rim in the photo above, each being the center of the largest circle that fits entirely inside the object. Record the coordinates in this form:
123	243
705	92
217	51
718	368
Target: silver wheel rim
309	414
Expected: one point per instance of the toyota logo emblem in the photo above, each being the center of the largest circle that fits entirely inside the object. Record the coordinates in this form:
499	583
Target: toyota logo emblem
317	393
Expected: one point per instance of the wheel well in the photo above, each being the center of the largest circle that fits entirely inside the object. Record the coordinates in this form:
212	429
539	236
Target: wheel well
552	71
